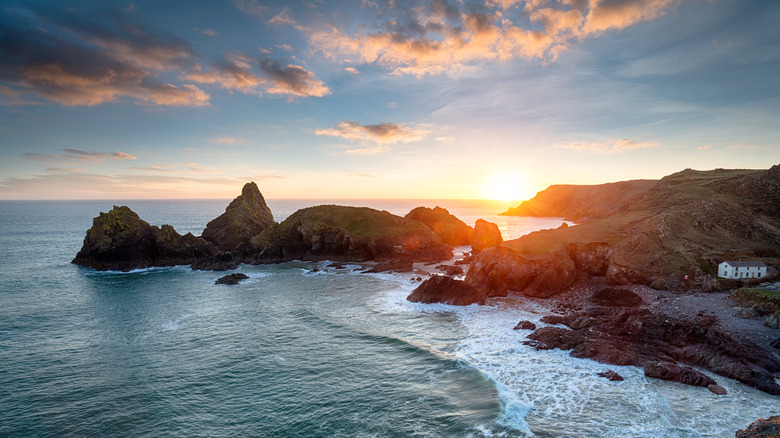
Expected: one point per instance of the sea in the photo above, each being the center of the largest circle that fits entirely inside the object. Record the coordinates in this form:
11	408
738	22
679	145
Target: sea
299	349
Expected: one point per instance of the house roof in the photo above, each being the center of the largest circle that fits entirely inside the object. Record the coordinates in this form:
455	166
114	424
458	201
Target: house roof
746	264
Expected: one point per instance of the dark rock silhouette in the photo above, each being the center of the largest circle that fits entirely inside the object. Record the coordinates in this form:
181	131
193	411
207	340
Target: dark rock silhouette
245	217
449	228
612	376
231	279
446	290
614	296
120	240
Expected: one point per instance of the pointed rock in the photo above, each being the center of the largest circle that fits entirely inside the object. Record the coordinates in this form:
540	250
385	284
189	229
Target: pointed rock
245	217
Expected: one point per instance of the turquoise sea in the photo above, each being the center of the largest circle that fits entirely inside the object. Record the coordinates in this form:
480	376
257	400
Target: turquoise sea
298	350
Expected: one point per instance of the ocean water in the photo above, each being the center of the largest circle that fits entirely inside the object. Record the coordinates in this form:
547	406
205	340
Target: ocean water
298	350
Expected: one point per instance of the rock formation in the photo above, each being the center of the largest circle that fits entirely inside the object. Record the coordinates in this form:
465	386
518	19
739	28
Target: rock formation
231	279
763	428
341	233
449	228
666	347
446	290
485	235
119	240
244	218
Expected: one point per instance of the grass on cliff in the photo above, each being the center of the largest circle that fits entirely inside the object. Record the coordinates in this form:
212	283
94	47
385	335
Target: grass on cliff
357	221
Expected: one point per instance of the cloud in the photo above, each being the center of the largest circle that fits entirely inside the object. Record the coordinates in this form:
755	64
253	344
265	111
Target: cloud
235	73
441	37
352	70
252	7
282	17
704	148
73	61
741	147
609	146
227	140
210	32
79	155
379	135
291	79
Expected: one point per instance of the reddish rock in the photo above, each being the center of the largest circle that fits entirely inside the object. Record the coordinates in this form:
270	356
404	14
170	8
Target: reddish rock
611	376
717	389
676	373
525	325
769	428
485	235
449	228
446	290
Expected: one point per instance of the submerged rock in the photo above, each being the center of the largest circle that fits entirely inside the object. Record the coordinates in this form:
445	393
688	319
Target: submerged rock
245	217
231	279
610	375
525	325
449	228
446	290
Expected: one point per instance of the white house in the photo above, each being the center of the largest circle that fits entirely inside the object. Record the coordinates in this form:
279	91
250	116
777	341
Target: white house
741	270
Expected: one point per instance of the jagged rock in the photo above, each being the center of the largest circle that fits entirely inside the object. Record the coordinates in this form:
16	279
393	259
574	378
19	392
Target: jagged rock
499	270
120	240
402	265
446	290
233	278
677	373
450	270
485	235
763	428
612	296
772	321
636	336
245	217
591	258
354	234
449	228
525	325
610	375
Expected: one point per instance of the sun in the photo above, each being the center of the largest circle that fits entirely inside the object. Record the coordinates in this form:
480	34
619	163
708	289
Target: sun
507	186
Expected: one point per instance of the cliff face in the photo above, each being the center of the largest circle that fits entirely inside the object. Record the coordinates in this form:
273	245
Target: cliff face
449	228
245	217
120	240
347	234
659	232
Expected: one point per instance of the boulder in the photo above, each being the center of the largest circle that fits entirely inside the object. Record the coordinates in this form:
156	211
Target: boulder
525	325
450	270
245	217
500	269
717	389
676	373
401	265
347	234
446	290
230	279
485	235
763	428
610	375
772	321
120	240
449	228
613	296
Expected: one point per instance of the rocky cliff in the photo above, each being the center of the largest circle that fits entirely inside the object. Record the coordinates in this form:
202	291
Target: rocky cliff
245	217
347	234
449	228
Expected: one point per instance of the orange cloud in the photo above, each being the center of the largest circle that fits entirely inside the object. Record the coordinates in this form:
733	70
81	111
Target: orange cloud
79	155
442	37
381	133
609	146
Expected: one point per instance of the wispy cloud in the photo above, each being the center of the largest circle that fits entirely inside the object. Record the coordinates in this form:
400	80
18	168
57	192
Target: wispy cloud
609	146
74	61
282	17
210	32
437	37
741	147
79	155
227	139
252	7
381	133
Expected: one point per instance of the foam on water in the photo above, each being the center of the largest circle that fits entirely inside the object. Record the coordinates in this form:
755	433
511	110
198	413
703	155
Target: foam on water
550	393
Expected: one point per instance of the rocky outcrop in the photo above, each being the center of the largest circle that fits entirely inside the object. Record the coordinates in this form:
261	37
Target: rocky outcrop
500	270
119	240
244	218
664	346
769	428
231	279
446	290
613	296
485	235
356	234
449	228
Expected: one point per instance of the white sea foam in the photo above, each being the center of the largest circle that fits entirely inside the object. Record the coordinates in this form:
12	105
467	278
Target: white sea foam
554	394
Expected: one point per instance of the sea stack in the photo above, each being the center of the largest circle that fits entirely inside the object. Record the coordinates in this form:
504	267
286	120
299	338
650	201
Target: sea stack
245	217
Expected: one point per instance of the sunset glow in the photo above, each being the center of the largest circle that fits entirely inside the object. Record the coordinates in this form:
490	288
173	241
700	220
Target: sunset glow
362	99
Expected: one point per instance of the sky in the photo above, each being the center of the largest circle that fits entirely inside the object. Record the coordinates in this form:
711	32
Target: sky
428	99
